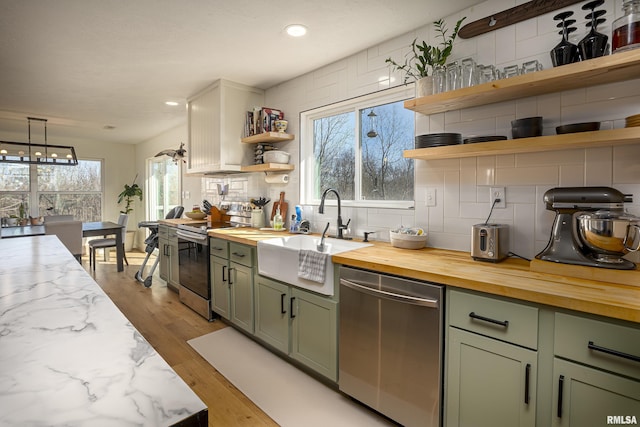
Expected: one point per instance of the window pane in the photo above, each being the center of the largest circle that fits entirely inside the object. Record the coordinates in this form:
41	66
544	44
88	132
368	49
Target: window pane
333	149
164	186
386	175
83	206
15	177
10	204
85	177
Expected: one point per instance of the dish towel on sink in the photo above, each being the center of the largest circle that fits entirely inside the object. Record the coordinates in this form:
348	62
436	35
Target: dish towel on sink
311	265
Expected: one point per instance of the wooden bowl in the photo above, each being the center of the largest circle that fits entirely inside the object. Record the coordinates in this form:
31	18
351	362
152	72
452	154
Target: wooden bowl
195	215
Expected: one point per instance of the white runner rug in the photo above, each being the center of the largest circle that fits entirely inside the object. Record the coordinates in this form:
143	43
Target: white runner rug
288	395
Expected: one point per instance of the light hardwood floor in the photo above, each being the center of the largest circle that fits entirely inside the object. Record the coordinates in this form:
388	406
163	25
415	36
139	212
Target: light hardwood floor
167	324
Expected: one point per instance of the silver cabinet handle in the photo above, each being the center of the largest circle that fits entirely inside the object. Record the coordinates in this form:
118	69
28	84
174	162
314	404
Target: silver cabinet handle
426	302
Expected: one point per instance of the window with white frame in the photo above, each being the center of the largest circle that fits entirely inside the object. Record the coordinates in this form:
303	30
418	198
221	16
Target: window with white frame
52	189
356	147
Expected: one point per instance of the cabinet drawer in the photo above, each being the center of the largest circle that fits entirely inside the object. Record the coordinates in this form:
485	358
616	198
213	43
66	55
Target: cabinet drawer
218	247
242	254
506	321
598	343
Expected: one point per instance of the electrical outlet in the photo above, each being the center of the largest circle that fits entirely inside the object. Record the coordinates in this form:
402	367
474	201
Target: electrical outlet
498	193
430	197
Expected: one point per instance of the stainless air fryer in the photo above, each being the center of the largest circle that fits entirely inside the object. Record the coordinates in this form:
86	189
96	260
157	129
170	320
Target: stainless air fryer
490	242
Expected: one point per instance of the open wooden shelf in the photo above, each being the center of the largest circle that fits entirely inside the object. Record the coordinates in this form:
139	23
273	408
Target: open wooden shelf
269	167
569	141
267	137
607	69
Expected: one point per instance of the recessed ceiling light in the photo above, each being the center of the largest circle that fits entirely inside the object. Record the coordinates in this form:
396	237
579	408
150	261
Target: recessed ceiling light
172	103
296	30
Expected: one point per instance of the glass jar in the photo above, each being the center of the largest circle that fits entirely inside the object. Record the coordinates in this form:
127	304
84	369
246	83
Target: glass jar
439	79
626	29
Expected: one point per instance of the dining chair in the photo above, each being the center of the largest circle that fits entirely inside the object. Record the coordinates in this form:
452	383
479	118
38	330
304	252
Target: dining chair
109	242
69	233
58	218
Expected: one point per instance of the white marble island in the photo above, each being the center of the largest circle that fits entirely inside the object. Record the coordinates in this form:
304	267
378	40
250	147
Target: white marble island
69	357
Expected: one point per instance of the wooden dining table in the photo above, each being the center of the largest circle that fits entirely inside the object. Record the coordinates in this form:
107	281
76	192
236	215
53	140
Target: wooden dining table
106	228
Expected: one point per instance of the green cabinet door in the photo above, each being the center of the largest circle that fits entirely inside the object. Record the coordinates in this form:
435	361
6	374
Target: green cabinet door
314	332
272	312
489	382
585	396
173	279
241	288
163	253
219	286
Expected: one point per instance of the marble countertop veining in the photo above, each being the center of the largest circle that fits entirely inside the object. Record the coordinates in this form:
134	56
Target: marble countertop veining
68	356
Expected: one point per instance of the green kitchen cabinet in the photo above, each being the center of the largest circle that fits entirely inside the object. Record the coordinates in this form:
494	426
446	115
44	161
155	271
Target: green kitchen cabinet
584	396
298	323
169	257
163	242
231	268
314	330
490	382
491	361
596	371
272	310
220	292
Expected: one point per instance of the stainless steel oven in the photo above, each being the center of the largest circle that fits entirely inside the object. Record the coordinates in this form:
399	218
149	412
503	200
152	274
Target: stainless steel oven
193	256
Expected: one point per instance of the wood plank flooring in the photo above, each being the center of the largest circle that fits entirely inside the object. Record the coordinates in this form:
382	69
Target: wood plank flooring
167	324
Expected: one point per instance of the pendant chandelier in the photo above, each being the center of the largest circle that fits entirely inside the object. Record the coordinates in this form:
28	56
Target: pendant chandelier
41	154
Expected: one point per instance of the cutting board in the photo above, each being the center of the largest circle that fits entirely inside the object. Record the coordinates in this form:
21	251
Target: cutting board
283	207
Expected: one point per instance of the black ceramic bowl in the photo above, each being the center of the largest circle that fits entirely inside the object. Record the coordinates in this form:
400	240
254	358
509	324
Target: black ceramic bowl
527	121
526	132
526	128
578	127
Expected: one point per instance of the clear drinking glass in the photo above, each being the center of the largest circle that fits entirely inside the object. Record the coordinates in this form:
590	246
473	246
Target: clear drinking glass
454	79
511	71
469	72
439	79
531	66
487	73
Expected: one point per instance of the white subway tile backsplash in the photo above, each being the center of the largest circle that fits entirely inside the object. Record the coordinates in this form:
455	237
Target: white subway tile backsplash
571	175
527	175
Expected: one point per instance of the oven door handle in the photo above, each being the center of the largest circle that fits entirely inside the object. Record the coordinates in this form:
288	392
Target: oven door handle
193	237
427	302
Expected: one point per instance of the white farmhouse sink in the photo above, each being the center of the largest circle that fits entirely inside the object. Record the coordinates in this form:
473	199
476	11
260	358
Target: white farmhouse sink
278	259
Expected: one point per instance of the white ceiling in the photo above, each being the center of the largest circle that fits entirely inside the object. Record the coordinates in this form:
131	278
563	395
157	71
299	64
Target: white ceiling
86	64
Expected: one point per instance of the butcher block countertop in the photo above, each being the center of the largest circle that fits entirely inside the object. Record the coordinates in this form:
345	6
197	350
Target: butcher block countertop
510	278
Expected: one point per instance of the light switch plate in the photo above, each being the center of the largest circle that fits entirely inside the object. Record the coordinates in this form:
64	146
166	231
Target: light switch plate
430	197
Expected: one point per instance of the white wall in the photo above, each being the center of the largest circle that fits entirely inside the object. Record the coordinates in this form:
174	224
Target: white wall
463	184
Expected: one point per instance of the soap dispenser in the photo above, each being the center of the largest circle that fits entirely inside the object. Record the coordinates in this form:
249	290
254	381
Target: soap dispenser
277	220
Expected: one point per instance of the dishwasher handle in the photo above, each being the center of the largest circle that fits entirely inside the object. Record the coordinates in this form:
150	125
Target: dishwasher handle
426	302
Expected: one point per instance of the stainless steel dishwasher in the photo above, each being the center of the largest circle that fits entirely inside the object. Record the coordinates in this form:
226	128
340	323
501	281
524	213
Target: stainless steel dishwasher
391	345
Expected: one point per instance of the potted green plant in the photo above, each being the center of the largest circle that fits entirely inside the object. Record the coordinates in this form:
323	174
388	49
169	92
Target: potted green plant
129	193
424	58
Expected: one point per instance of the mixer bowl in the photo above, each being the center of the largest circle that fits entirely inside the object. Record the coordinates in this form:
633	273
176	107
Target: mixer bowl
609	234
